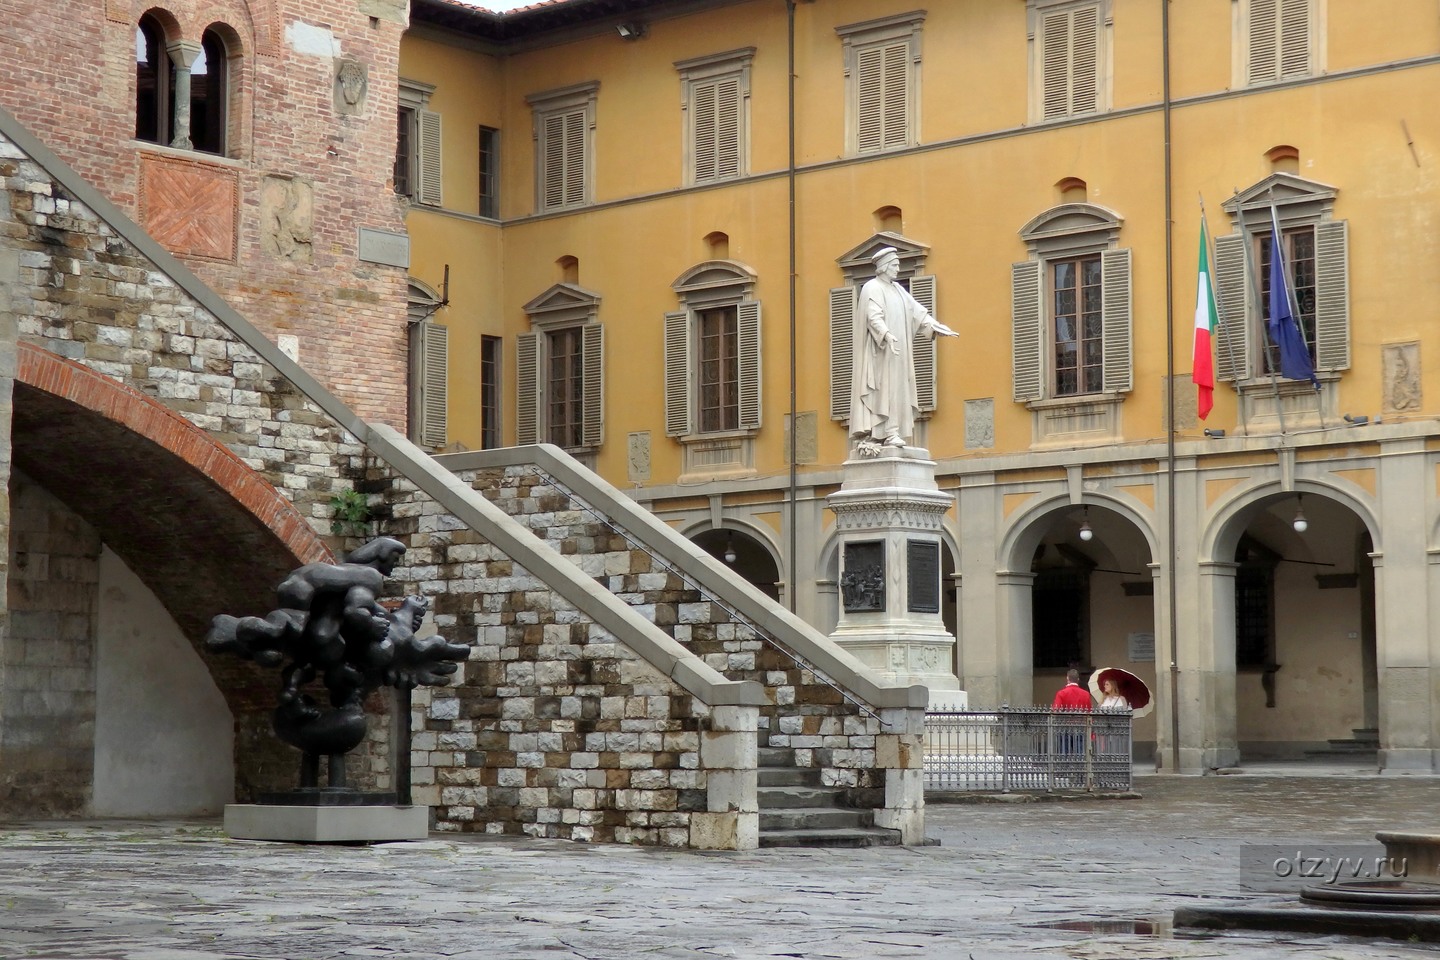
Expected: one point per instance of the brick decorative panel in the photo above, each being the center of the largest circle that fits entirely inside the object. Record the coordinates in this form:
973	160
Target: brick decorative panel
191	208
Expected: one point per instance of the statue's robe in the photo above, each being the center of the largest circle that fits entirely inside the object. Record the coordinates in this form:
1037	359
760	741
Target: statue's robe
883	399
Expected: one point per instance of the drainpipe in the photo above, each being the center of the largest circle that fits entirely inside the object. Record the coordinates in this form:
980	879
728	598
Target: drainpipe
1173	591
791	493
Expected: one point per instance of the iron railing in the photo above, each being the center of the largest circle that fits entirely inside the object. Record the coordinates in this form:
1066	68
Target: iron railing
1027	749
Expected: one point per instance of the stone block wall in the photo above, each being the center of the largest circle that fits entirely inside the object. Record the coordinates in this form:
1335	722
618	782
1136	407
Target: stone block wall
558	728
806	715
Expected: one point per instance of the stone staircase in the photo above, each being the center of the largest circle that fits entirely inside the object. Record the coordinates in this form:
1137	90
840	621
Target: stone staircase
1364	745
797	811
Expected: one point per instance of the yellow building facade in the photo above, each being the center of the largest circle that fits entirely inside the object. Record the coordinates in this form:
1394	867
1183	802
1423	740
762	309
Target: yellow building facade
637	228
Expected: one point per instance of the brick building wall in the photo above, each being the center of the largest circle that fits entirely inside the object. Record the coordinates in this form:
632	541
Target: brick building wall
273	224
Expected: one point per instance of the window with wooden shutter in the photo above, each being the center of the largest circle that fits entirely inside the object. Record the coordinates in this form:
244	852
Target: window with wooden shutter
677	374
428	184
527	393
1026	284
715	99
882	75
560	371
434	343
1277	40
1232	341
1115	321
923	348
1332	295
564	151
842	347
1069	57
748	368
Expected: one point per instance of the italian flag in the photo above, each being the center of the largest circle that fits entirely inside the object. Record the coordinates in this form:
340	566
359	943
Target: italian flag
1203	367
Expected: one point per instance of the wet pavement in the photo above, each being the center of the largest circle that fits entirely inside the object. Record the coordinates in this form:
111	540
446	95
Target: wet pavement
1001	871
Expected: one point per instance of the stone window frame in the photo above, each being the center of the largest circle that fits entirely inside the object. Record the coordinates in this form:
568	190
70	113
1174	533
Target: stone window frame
1063	232
172	107
857	265
1298	203
1074	80
419	144
1261	29
562	307
718	147
870	50
563	131
706	286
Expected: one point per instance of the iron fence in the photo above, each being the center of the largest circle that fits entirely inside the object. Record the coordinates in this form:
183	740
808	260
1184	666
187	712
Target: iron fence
1027	748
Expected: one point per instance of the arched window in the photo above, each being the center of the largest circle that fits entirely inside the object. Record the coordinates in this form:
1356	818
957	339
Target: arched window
153	76
176	105
208	95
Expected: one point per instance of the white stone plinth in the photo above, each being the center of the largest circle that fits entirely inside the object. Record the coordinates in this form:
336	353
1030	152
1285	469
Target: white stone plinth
321	824
893	500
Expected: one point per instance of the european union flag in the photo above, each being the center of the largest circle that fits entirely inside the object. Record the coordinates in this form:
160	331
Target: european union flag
1285	332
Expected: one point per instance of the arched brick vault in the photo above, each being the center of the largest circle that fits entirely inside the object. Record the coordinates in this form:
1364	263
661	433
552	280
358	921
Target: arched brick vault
205	533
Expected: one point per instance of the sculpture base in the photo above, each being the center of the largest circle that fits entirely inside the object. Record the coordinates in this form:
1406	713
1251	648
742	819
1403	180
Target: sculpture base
315	823
328	798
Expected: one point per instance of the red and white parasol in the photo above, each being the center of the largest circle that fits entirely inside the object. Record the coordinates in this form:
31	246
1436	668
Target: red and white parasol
1129	686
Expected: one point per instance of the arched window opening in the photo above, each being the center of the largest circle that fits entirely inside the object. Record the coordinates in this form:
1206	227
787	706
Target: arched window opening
208	94
153	77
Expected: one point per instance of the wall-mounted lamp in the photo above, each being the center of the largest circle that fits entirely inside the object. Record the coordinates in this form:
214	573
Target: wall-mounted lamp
1214	434
1300	523
632	30
1359	421
730	554
1085	532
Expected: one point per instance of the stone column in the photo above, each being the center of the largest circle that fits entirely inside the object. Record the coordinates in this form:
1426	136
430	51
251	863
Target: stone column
729	757
1207	692
183	54
1014	637
888	515
898	751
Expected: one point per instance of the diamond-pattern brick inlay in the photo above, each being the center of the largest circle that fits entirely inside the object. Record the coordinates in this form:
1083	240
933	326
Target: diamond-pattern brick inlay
190	207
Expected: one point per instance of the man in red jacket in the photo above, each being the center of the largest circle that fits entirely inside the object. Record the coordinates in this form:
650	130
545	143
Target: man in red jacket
1072	696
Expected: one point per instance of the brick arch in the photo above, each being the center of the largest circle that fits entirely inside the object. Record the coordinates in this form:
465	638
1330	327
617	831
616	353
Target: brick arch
155	422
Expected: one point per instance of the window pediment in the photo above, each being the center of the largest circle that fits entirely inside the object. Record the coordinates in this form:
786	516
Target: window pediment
1284	190
1072	224
858	265
562	303
715	280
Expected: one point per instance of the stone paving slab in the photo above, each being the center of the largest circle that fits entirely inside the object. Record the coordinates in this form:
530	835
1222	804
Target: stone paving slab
183	891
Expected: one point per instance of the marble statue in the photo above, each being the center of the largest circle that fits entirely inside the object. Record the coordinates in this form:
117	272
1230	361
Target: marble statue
883	399
331	626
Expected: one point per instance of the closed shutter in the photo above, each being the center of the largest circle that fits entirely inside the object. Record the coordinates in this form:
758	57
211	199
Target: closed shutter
592	371
715	109
923	290
1115	321
1279	40
842	350
1055	72
1264	40
527	395
1332	295
748	321
428	184
552	153
1085	60
1070	67
1232	340
882	96
677	374
575	157
1294	38
1026	282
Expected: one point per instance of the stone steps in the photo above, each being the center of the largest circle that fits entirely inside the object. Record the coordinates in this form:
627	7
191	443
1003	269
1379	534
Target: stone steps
796	810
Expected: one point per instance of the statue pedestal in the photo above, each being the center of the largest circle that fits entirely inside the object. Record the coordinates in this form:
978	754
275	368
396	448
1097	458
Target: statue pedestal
326	823
888	514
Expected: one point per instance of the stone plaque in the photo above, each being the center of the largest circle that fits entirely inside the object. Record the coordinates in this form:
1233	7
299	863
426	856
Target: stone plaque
922	572
352	82
380	246
287	218
862	585
637	459
1402	377
979	424
1184	395
804	436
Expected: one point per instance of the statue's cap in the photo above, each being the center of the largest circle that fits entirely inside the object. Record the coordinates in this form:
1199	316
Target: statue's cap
884	254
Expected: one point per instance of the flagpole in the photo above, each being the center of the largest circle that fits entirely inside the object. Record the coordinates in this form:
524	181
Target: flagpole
1220	314
1254	276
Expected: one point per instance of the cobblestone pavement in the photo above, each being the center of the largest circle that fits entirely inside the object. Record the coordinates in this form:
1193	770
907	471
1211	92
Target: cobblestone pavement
183	891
